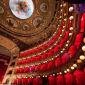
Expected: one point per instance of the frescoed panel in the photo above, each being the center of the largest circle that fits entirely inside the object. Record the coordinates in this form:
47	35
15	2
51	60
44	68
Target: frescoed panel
11	22
43	7
22	9
37	22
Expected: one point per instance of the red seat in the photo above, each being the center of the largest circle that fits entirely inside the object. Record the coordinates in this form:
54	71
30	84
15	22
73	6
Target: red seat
62	42
19	81
37	81
30	52
44	67
21	55
40	48
51	52
45	46
51	65
24	61
39	57
44	55
66	34
27	70
28	60
33	59
35	50
37	68
21	70
26	53
30	80
25	81
17	70
19	62
57	47
54	39
58	62
52	80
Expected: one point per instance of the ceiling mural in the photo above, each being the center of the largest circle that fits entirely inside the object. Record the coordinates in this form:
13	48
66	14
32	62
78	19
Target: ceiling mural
28	22
37	13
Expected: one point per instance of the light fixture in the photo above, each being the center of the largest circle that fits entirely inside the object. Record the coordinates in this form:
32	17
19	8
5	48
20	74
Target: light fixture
71	28
75	65
65	71
65	19
68	70
71	17
71	9
84	40
61	5
60	34
82	57
63	26
62	30
70	34
60	16
60	73
83	48
66	45
61	51
72	67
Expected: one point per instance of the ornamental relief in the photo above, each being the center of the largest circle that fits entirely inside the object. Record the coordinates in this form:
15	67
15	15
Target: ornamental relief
40	18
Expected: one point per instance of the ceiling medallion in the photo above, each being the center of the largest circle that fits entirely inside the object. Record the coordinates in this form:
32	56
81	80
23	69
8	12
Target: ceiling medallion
22	9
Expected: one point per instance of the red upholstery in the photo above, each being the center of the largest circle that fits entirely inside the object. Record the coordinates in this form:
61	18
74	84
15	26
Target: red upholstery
77	44
70	79
57	47
25	81
44	67
19	62
80	76
30	52
17	70
19	81
59	32
66	34
58	62
26	53
69	24
37	81
51	52
52	80
65	57
62	42
38	68
40	48
27	70
51	65
35	50
79	37
21	55
45	46
72	50
54	39
61	80
14	80
33	59
24	61
39	57
30	80
21	70
28	60
44	55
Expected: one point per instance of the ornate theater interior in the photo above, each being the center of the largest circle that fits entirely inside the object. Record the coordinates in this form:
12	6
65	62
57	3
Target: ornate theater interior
42	42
